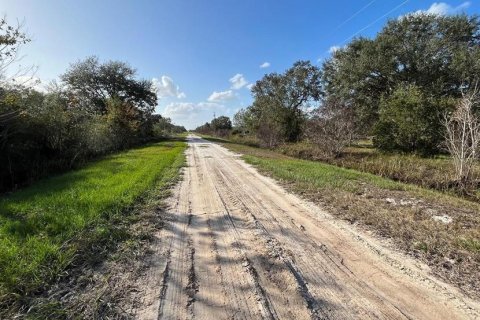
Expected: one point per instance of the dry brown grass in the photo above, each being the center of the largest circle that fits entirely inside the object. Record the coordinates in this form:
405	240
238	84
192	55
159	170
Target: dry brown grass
436	173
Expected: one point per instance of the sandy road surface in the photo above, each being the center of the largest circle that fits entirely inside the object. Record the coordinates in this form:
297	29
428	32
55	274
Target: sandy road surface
238	246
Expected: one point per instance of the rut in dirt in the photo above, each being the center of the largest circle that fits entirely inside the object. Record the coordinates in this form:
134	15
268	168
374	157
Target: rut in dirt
238	246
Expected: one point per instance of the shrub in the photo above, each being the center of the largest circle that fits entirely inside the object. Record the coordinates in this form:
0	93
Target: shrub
410	121
331	128
463	139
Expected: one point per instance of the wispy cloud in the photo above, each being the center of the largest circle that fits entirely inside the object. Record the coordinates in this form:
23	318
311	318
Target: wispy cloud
221	96
265	65
165	87
238	81
442	8
355	14
377	20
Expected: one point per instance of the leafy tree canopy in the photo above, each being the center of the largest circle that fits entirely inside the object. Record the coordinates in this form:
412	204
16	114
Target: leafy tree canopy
280	100
94	84
438	54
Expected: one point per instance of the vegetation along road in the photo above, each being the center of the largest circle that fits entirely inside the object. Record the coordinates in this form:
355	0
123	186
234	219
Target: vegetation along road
366	200
57	232
236	245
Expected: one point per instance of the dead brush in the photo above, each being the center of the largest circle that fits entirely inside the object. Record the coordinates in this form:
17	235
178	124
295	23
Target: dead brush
462	139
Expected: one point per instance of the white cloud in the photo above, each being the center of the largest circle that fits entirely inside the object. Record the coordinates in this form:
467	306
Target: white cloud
190	109
165	87
250	86
333	49
191	115
238	81
221	96
442	8
265	65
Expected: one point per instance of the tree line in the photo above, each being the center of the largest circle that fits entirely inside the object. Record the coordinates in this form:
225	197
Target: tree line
96	108
402	88
397	86
220	126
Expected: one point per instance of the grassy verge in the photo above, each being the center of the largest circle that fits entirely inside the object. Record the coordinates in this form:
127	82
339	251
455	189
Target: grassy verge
438	228
435	173
62	221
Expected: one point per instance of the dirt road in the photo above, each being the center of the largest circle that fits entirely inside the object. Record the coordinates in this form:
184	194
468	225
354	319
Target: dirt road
237	246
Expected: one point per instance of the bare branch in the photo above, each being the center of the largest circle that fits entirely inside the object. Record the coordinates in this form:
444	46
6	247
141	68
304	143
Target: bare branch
332	128
462	137
12	38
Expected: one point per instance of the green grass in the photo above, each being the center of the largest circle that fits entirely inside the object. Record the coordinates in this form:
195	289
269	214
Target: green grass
436	173
325	176
43	228
321	175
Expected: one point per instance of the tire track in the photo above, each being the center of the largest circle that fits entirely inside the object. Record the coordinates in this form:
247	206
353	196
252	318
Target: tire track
237	246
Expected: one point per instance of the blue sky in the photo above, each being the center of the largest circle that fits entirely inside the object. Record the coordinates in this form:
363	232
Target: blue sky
201	54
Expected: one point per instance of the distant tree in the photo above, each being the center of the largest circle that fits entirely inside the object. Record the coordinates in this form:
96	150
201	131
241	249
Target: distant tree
221	123
92	84
280	100
164	126
204	129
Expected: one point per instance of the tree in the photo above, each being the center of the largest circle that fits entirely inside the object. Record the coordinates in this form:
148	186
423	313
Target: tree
125	121
12	38
204	129
240	121
438	54
221	125
331	128
164	127
411	120
355	76
280	100
92	84
462	137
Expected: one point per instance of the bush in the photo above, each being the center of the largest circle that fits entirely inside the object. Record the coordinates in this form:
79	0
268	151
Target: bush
410	121
331	128
463	139
96	109
42	134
